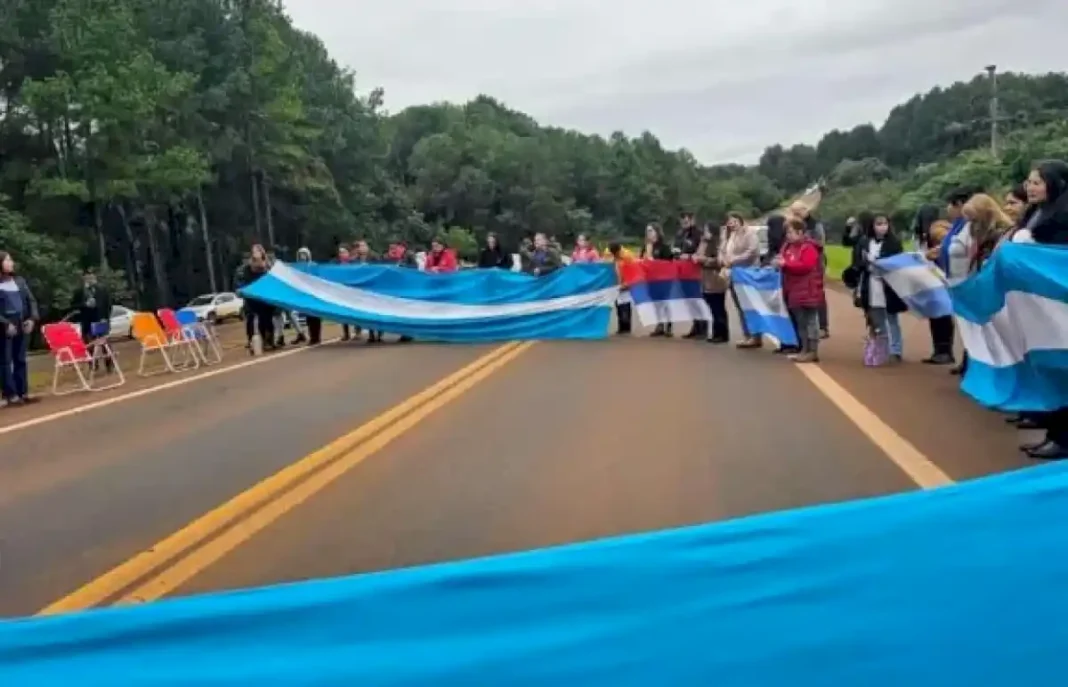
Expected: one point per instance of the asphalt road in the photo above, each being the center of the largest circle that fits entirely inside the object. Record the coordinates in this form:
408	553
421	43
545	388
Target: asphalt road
562	442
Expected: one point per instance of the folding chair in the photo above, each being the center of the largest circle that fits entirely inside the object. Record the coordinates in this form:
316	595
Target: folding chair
146	329
178	340
202	335
68	350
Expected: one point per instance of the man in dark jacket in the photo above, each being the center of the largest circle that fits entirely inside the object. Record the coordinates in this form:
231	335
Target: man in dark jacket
685	245
92	302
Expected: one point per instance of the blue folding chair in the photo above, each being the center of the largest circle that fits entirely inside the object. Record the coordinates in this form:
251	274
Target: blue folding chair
202	336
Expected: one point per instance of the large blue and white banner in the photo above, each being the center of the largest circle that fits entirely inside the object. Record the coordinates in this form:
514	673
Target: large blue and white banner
575	302
1013	320
962	585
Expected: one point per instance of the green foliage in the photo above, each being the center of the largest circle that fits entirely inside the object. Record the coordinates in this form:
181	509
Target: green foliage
462	241
43	261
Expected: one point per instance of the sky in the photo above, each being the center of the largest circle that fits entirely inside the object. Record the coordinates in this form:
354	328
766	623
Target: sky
722	78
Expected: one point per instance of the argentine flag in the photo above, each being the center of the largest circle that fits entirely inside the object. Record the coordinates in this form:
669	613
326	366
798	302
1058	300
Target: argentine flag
760	298
920	284
469	306
1013	319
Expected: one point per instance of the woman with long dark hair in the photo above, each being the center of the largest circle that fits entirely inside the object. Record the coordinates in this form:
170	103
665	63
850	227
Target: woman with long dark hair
656	248
493	255
259	316
1047	221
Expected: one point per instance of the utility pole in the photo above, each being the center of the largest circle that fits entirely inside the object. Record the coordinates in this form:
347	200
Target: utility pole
992	70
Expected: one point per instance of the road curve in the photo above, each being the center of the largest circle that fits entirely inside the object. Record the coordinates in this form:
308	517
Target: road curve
567	441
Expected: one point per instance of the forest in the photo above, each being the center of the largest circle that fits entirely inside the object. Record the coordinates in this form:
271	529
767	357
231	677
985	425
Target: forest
155	140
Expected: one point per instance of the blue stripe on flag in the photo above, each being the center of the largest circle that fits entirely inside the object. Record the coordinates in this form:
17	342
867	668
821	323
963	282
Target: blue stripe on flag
471	287
659	291
794	598
1013	320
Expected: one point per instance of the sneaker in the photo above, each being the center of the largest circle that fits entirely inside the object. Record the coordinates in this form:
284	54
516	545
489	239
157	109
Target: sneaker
825	334
749	343
30	400
805	357
718	340
14	402
939	359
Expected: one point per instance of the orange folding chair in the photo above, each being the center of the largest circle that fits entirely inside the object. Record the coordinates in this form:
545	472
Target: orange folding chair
153	339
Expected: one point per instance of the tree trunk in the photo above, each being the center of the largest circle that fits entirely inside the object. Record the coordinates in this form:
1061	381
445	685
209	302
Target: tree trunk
268	214
152	226
206	234
255	183
134	257
101	237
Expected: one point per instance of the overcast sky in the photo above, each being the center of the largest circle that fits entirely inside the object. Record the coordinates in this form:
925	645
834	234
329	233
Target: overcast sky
723	78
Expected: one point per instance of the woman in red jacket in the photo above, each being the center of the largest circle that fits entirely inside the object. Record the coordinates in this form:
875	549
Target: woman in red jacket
440	258
802	277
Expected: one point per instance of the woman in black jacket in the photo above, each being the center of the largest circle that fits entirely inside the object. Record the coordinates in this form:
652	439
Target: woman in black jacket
493	255
18	317
872	293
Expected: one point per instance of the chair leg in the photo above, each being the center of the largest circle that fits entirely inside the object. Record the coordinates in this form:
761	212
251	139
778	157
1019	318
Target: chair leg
102	352
83	385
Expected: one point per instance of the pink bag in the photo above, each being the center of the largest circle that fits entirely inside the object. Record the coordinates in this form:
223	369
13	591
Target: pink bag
876	351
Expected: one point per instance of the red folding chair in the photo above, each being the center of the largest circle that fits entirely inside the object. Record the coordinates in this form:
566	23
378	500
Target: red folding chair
68	350
179	339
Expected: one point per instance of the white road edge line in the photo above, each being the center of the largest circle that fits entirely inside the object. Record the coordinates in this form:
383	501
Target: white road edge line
33	422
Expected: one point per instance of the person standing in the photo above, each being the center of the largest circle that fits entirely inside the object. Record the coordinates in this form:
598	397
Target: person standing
314	324
493	255
92	303
441	259
259	316
18	318
802	276
815	231
713	283
955	255
585	251
363	255
882	306
656	248
344	257
741	249
684	248
621	256
542	257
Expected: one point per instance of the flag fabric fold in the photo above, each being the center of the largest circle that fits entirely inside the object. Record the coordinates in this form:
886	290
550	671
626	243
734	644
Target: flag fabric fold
962	585
917	282
468	306
1013	320
665	291
763	306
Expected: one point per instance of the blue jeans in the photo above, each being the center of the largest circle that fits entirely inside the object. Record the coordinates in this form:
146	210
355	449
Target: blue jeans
13	365
888	324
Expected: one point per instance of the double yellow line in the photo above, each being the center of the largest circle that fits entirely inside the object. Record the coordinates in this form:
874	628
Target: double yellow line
168	564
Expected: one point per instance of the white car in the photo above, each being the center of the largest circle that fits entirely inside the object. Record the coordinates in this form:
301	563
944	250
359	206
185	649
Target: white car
216	307
121	317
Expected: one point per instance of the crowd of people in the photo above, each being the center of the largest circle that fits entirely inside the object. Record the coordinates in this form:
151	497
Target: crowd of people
959	237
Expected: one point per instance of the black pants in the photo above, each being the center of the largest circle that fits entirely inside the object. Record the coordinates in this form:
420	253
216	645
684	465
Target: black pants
942	330
824	317
624	312
13	371
259	315
717	303
1056	424
315	329
87	336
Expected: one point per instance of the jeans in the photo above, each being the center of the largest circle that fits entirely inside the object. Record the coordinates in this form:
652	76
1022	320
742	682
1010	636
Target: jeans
887	324
824	317
717	303
13	363
808	328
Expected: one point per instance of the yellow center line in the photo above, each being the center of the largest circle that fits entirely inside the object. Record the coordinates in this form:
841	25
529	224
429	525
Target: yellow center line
899	450
273	496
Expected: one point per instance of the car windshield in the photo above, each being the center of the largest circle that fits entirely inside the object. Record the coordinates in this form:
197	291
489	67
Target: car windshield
202	300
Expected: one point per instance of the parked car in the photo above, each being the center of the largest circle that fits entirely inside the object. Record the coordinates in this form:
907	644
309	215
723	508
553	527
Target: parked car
216	307
121	317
